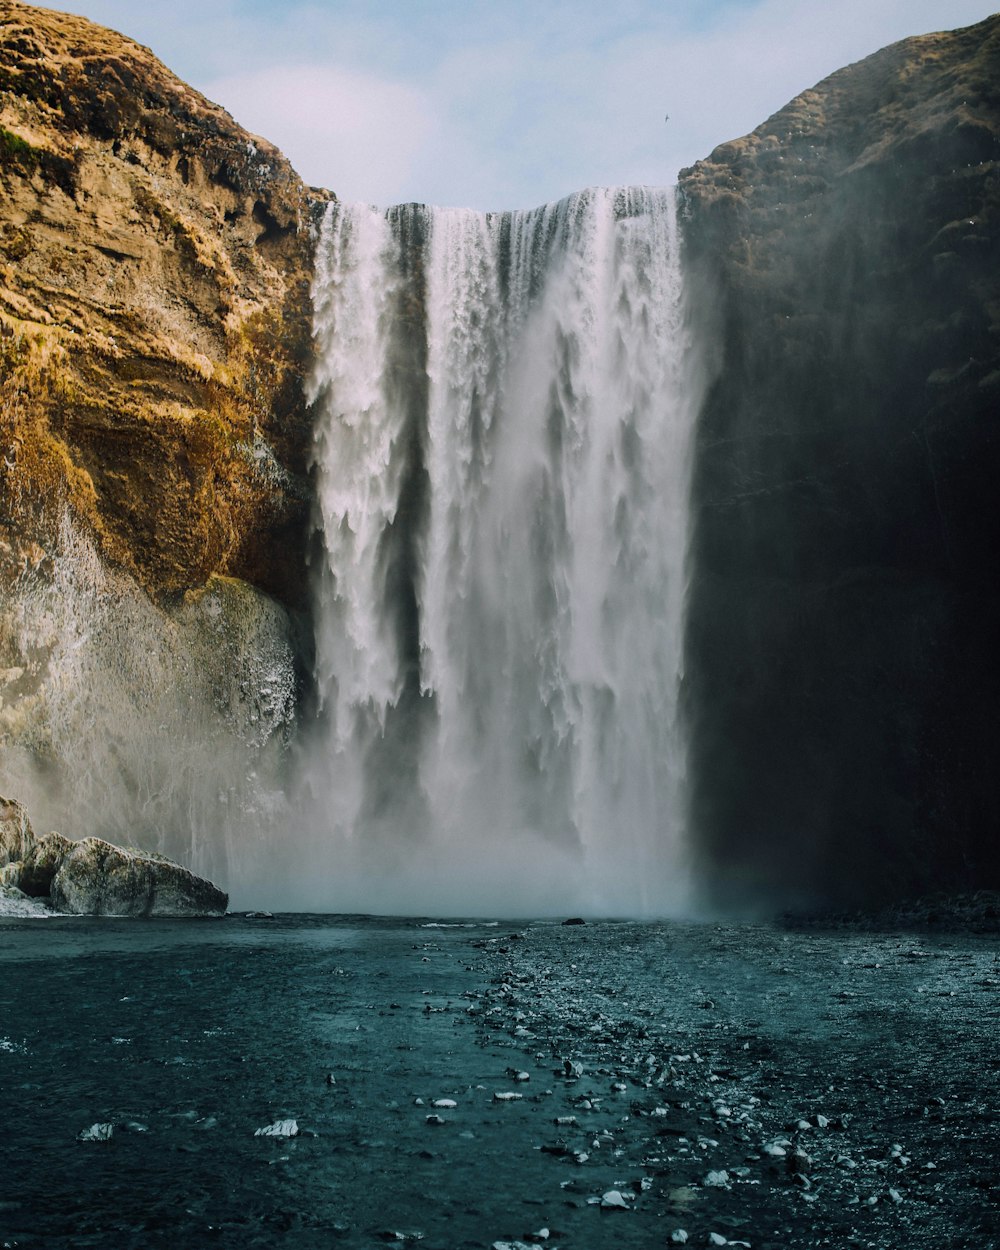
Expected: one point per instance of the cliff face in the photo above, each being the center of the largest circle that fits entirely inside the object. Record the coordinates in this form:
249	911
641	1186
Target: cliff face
155	325
154	317
843	671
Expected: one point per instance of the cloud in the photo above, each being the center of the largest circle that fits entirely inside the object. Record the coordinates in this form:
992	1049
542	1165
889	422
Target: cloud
506	105
357	133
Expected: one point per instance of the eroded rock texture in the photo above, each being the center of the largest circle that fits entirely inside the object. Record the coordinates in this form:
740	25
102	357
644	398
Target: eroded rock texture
843	668
154	317
93	877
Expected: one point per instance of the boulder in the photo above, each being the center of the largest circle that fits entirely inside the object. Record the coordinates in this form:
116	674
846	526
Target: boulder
95	878
16	837
39	867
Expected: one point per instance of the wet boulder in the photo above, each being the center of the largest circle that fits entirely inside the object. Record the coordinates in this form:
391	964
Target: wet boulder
38	868
95	878
16	837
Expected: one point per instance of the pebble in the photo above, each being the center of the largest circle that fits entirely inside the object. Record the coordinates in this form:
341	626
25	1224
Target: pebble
718	1180
433	1119
613	1200
280	1128
717	1239
96	1132
507	1096
679	1236
444	1103
572	1068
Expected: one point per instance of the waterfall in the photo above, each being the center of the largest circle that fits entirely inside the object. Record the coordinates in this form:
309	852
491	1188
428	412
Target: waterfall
505	406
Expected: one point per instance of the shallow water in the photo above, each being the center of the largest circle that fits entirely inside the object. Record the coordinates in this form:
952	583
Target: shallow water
190	1036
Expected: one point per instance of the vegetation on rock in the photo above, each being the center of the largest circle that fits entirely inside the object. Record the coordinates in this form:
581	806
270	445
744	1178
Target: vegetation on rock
155	317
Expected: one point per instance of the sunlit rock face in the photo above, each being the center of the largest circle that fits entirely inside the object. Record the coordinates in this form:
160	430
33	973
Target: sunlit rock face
842	666
154	317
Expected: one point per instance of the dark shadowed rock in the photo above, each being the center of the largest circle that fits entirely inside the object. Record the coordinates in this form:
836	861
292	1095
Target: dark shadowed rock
842	670
40	865
97	879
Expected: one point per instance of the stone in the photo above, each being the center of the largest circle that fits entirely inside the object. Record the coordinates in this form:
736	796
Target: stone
614	1200
95	878
280	1128
679	1236
40	865
96	1132
16	836
717	1180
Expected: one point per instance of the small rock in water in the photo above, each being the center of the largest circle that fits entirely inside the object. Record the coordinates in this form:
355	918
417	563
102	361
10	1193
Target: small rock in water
444	1103
679	1236
280	1128
718	1180
331	1079
717	1239
572	1068
96	1132
613	1200
433	1119
575	920
506	1096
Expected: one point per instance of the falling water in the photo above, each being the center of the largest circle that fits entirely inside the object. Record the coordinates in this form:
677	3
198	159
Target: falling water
502	456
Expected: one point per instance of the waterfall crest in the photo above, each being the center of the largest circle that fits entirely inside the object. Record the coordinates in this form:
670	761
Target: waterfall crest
505	405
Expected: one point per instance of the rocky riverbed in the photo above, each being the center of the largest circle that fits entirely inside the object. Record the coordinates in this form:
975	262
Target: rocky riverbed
312	1081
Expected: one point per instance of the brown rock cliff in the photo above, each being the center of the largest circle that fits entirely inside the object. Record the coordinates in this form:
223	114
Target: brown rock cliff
154	317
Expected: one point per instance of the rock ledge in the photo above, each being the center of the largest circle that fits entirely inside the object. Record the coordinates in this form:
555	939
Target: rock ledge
92	877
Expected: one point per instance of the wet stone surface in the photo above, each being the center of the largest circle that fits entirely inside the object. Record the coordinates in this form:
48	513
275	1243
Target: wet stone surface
598	1085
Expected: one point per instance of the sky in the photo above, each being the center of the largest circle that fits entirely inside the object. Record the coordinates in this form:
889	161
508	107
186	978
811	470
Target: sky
499	104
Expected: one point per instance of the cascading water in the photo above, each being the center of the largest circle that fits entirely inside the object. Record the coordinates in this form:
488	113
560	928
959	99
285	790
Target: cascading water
502	455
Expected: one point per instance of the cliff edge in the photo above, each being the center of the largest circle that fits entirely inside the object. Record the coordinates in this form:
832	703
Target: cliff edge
843	676
154	317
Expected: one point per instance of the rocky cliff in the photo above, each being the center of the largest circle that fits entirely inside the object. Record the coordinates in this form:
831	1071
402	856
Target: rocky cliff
155	325
154	317
843	673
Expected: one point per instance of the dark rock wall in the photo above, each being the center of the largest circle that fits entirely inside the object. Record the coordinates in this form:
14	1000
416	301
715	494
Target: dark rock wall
843	668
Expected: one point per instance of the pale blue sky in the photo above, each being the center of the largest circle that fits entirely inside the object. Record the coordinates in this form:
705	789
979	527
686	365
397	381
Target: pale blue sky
509	103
